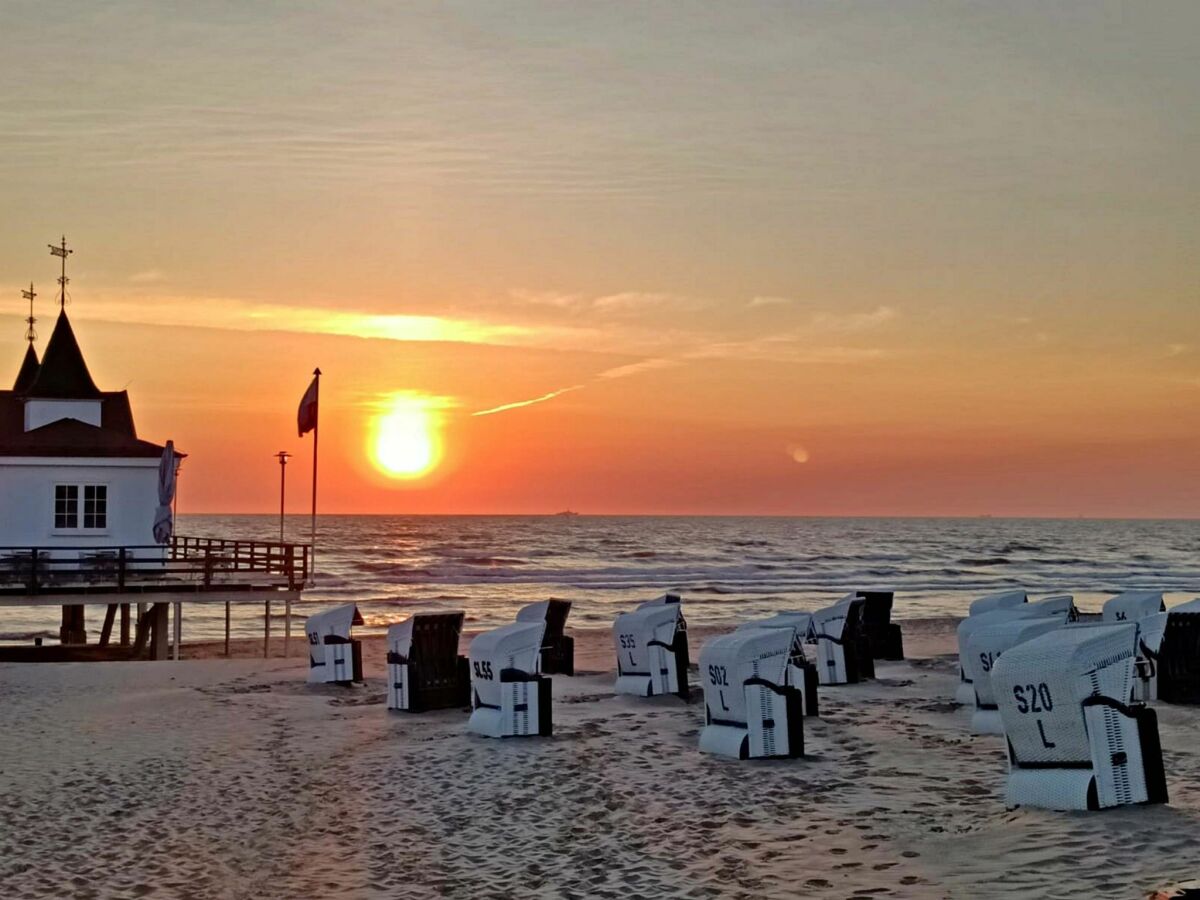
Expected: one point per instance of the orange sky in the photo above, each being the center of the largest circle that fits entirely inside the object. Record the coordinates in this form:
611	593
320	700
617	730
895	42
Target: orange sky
781	260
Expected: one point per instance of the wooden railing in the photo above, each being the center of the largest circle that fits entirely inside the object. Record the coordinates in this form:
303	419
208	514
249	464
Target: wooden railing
187	563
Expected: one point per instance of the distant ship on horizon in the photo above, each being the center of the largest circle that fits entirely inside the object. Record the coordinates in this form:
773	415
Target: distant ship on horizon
566	512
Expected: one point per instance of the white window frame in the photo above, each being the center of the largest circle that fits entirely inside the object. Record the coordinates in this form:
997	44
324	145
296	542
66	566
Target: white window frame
80	487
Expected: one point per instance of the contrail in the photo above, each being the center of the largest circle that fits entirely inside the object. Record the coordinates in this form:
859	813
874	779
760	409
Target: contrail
519	403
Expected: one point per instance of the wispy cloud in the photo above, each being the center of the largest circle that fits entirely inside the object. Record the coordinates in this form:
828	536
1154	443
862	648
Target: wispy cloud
150	276
856	321
1177	349
757	302
518	404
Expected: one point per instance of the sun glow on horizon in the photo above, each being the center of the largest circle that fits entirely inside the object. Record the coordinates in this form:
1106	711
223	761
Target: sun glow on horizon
406	437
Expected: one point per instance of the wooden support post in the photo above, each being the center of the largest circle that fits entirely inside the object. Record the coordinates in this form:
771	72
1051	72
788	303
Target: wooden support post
106	631
158	630
226	629
287	624
178	616
124	624
267	632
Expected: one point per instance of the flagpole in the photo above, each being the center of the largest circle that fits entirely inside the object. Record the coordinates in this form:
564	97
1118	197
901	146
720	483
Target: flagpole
316	432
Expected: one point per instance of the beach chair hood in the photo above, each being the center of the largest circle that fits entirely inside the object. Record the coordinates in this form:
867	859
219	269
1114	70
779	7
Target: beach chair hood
1133	605
999	600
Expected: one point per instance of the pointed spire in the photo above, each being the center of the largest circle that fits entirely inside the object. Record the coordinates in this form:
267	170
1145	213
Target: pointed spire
63	374
29	371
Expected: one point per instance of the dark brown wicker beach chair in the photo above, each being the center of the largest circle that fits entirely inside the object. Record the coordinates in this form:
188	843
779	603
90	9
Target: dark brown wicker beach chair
558	648
425	670
887	642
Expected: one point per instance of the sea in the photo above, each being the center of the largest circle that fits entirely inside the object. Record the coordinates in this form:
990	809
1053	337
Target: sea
727	570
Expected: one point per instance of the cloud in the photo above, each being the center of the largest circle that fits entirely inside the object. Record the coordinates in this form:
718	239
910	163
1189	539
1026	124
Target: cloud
757	302
1177	349
646	365
849	322
518	404
150	276
553	299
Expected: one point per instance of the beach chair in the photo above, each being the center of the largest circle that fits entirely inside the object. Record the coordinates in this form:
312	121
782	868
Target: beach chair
751	710
558	651
652	649
333	656
509	695
837	632
424	668
982	648
1179	655
1075	742
1059	606
802	672
1133	605
887	641
1000	600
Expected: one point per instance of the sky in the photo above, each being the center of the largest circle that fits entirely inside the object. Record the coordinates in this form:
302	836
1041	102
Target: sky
789	259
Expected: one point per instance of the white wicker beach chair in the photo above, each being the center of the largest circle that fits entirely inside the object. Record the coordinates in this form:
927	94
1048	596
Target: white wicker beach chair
333	656
1133	605
983	646
1074	739
750	709
1060	606
652	649
509	695
802	672
1001	600
836	631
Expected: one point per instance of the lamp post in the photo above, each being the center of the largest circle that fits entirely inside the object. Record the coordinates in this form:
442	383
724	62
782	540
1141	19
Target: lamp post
283	456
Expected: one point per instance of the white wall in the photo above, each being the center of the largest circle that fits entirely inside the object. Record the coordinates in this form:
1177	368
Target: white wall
27	501
43	412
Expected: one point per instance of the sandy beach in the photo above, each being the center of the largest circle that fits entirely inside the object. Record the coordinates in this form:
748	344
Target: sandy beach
233	778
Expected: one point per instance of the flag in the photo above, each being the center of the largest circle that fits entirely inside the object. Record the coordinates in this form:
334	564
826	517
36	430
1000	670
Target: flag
306	418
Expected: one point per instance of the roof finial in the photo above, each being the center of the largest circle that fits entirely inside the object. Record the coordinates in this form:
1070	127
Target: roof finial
30	334
63	252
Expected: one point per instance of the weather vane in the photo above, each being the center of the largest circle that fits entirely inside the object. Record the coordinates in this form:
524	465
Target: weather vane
62	252
30	334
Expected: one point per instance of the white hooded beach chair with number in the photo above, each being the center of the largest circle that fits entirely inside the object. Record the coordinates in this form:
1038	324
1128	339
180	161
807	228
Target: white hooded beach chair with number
509	695
999	600
983	647
836	632
652	649
802	672
1074	739
333	656
1060	606
750	709
1133	605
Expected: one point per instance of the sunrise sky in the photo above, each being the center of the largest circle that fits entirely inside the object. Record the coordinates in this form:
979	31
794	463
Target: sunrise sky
802	258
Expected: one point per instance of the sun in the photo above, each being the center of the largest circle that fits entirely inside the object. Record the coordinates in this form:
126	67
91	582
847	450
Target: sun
405	439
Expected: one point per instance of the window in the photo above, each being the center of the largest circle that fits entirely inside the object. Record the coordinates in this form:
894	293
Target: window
66	506
95	506
67	512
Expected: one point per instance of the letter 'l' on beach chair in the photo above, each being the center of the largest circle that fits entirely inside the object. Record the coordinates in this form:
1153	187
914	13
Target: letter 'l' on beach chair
983	648
802	672
652	649
333	656
837	632
750	709
509	695
887	641
558	651
1074	739
1179	655
424	669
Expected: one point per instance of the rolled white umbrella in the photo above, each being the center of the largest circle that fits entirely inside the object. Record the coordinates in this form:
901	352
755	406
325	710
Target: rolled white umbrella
164	524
